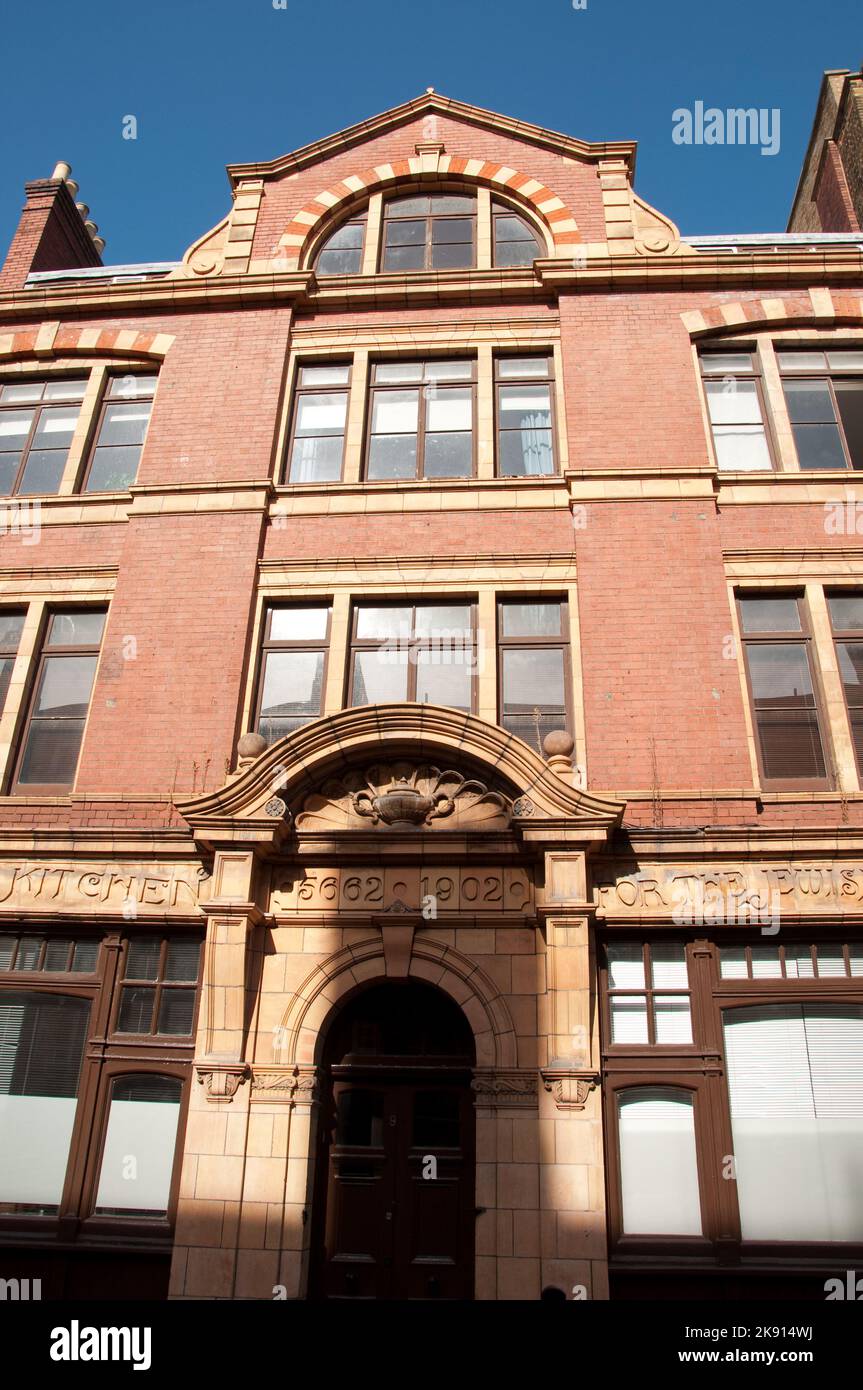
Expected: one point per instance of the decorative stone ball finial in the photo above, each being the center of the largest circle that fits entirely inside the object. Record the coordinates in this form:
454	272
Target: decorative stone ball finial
249	747
558	746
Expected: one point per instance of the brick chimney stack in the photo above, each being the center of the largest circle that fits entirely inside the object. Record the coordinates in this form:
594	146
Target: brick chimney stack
52	233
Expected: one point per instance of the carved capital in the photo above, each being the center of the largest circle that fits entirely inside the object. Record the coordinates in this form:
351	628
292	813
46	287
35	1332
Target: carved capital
569	1086
505	1088
296	1085
221	1080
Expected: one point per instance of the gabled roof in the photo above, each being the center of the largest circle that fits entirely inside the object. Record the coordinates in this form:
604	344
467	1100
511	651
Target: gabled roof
432	101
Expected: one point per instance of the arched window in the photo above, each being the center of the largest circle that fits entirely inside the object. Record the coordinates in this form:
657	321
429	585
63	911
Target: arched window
429	231
658	1163
342	252
515	241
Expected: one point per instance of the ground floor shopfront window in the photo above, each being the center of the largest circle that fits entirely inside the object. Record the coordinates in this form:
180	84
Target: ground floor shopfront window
96	1045
733	1074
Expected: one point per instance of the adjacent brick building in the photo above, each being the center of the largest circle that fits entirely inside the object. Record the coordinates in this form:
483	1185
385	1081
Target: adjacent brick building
432	848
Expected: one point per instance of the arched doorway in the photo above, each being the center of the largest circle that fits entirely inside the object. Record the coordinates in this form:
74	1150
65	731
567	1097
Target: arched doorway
395	1207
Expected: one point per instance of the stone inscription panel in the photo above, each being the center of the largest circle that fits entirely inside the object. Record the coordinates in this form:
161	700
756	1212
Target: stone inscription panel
456	889
100	887
735	893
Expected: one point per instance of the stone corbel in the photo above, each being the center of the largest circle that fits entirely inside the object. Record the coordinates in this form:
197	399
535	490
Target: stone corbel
222	1080
397	927
570	1086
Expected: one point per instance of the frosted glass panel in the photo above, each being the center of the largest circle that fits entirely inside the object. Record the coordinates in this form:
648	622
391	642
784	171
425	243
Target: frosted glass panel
629	1018
658	1167
625	967
35	1133
672	1019
732	963
668	967
138	1158
795	1081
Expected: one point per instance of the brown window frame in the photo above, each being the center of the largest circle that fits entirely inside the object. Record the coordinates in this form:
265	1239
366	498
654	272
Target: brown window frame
23	932
158	985
562	642
535	380
45	653
841	636
755	374
422	388
647	993
499	209
9	653
825	374
801	637
361	217
767	983
415	644
95	429
270	644
106	1055
298	392
429	218
702	1071
38	407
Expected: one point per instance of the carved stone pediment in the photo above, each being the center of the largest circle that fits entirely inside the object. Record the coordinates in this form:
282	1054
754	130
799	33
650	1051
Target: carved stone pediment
404	796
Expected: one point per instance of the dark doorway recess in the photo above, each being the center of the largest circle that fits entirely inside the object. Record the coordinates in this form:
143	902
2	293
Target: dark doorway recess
394	1211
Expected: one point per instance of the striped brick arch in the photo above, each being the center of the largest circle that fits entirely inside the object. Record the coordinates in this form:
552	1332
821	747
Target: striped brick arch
818	305
552	211
53	340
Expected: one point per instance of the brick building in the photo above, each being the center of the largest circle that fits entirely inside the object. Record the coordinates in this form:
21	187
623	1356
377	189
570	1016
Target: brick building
432	819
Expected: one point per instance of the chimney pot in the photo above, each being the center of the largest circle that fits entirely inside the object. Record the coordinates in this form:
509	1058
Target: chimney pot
72	187
92	227
61	170
83	209
99	243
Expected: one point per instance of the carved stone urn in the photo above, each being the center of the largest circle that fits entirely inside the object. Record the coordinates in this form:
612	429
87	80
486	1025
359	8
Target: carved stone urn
402	806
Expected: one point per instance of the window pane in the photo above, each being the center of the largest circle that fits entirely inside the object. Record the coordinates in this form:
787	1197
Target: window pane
806	361
522	366
849	398
42	1040
508	254
819	446
405	233
726	362
437	620
668	967
658	1164
334	375
733	402
461	369
85	957
14	428
51	752
340	262
142	1125
176	1011
785	709
7	664
530	619
56	427
765	963
808	401
451	229
57	953
671	1018
526	453
11	625
292	683
629	1018
508	228
795	1083
846	611
9	464
80	629
449	408
444	678
142	960
183	960
855	955
317	460
395	412
380	677
625	967
376	624
29	948
24	392
404	257
124	424
349	236
114	468
533	678
798	963
732	963
131	387
65	685
136	1009
525	407
831	962
769	615
299	624
43	471
448	456
322	413
452	202
7	950
845	360
400	371
392	456
741	448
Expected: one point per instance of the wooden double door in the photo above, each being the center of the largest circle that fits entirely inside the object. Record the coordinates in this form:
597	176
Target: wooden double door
395	1208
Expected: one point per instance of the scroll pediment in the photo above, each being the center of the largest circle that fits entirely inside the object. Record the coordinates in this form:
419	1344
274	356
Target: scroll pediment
403	796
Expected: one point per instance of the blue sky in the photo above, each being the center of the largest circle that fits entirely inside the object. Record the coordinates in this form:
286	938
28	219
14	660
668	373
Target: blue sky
216	81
